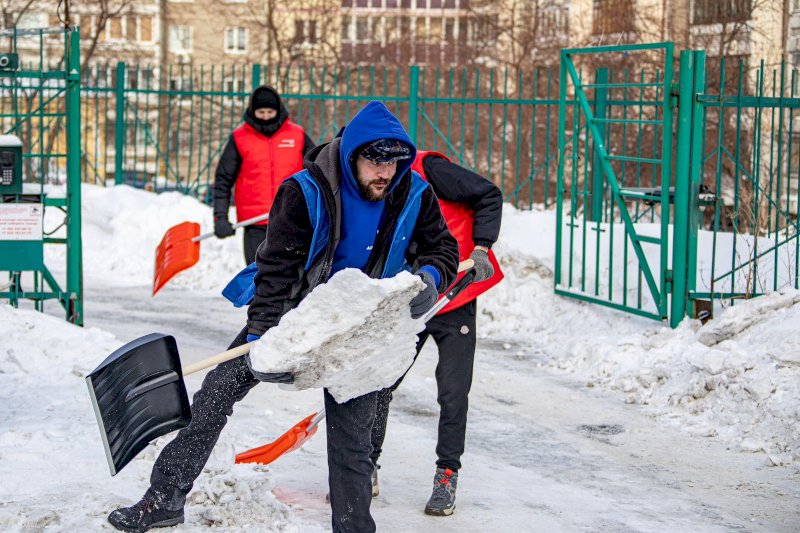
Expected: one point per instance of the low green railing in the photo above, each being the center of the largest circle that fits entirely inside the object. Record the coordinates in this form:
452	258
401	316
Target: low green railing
165	130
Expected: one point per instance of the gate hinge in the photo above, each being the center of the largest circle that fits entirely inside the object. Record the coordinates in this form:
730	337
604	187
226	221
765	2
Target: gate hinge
674	95
668	276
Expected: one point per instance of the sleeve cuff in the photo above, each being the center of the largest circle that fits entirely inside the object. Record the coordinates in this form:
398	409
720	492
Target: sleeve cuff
480	242
437	278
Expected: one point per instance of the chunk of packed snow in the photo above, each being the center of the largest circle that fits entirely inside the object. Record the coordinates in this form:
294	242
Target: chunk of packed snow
352	335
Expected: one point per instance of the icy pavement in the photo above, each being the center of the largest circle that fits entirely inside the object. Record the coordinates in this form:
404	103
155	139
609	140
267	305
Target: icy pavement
544	453
581	418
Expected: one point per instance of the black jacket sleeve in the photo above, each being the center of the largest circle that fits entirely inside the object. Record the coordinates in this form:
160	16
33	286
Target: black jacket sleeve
281	259
227	170
432	243
457	184
308	145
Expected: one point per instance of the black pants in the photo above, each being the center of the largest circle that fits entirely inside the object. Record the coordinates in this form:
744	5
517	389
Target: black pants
253	237
454	333
348	426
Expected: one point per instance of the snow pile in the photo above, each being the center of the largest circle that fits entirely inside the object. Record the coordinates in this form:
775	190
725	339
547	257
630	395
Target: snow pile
737	377
122	227
51	454
353	335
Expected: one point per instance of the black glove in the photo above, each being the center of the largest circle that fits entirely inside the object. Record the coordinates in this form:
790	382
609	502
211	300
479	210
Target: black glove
223	228
269	377
426	299
483	268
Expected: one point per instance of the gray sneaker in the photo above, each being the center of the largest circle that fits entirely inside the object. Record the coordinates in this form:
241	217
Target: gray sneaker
443	499
375	487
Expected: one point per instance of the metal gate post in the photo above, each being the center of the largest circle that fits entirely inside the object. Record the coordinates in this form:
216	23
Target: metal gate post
688	162
256	78
600	112
696	168
562	145
74	246
413	102
119	130
682	162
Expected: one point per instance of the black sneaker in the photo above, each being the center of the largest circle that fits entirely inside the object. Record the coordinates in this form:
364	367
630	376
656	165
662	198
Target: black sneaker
144	515
443	499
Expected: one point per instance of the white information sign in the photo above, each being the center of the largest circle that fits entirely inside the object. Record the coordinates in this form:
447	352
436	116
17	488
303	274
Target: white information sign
21	222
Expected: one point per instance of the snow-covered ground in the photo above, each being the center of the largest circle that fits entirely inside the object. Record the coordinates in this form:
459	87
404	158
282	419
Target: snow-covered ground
581	418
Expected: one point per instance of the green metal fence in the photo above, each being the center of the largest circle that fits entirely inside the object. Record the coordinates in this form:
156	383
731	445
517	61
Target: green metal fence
674	183
40	105
743	180
615	177
164	129
635	235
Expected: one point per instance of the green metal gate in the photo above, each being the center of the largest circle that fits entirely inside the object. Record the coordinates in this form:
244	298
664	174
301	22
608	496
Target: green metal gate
614	178
40	105
738	170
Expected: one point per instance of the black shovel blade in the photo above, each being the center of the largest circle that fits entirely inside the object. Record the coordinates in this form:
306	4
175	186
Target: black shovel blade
138	395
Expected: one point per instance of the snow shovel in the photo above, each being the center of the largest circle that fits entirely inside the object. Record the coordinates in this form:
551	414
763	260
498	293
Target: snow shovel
138	394
306	428
179	249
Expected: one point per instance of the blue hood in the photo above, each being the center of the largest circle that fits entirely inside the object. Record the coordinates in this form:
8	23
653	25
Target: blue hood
373	122
361	217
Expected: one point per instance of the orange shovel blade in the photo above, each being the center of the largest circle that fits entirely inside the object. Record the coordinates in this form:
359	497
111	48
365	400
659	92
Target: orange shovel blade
176	252
288	442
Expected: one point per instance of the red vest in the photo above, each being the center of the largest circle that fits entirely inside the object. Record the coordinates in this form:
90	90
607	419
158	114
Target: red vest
460	218
266	162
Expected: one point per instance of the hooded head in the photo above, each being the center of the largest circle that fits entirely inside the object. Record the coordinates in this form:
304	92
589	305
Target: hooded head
265	111
375	152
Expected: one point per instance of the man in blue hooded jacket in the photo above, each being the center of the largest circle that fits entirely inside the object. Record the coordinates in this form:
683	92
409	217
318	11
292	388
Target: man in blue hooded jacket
356	204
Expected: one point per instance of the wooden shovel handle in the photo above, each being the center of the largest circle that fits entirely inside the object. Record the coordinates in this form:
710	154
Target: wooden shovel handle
239	351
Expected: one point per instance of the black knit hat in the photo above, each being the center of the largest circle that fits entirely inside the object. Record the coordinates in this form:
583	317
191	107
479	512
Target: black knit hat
264	98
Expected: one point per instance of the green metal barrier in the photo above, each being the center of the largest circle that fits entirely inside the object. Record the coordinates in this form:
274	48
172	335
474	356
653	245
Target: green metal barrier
615	141
40	105
654	214
744	182
164	130
733	231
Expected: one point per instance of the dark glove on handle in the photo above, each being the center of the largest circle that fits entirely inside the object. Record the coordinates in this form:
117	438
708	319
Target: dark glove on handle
269	377
426	299
223	228
483	268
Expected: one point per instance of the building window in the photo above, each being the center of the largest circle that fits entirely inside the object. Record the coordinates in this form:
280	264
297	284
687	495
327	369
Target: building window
180	39
717	11
362	30
115	28
182	85
143	78
305	32
613	16
146	29
553	22
234	85
347	23
235	40
484	29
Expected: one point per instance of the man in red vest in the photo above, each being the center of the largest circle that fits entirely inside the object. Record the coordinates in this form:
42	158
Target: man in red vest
472	208
259	155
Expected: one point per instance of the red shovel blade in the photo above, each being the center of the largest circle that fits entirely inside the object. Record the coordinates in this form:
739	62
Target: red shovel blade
176	252
288	442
